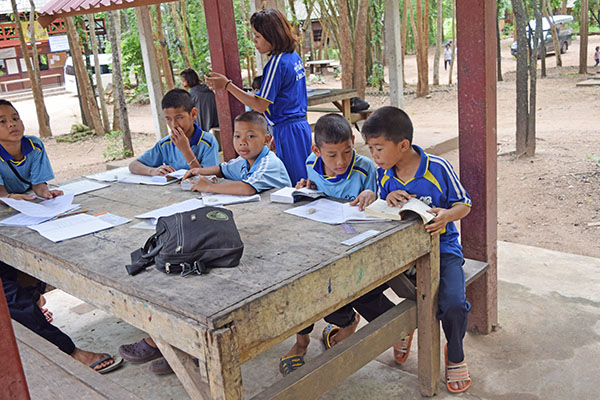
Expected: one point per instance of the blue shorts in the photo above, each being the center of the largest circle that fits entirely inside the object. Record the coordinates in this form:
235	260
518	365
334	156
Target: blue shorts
293	140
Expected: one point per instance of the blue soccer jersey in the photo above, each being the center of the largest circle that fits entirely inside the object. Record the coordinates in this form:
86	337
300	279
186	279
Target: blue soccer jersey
436	184
267	172
284	86
34	167
204	146
360	175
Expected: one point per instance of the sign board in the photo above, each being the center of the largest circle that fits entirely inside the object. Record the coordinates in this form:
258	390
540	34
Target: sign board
58	43
8	52
40	33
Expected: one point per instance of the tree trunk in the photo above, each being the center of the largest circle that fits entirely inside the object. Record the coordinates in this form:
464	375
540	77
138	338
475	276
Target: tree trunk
404	34
583	37
168	73
563	7
359	78
453	43
522	78
33	72
99	85
422	46
498	49
118	82
116	126
547	10
345	51
90	108
183	48
538	48
186	33
438	42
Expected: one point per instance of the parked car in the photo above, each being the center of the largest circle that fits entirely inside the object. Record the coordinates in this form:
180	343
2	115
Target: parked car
105	72
564	34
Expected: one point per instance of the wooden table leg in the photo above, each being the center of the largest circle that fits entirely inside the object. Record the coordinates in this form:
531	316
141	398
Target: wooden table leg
428	281
346	110
223	363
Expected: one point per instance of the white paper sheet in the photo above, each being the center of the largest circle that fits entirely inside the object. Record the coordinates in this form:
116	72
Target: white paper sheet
113	219
145	224
187	205
25	220
80	187
70	227
360	238
214	199
331	212
124	176
47	208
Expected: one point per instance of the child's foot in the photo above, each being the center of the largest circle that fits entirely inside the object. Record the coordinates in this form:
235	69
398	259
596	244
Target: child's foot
47	313
402	348
143	351
345	332
97	361
458	379
294	358
300	347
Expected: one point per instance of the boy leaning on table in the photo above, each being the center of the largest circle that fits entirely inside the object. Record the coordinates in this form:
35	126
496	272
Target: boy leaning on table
255	170
186	147
24	165
406	171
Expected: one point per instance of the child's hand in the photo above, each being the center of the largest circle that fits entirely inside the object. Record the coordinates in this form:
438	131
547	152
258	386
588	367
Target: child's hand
162	170
192	172
398	198
363	200
202	185
302	183
437	225
180	140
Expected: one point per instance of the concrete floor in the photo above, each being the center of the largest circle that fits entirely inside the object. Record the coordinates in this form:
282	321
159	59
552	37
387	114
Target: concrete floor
547	345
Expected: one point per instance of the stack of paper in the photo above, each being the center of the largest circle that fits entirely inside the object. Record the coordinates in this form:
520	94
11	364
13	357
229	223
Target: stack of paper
76	225
215	199
331	212
289	194
34	213
124	176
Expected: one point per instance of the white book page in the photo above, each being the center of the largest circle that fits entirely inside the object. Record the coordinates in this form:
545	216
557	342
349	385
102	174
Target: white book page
214	199
183	206
322	210
47	208
353	214
70	227
112	175
80	187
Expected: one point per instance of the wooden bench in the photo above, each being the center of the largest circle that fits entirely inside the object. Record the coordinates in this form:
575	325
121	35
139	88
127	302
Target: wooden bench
389	328
53	375
22	81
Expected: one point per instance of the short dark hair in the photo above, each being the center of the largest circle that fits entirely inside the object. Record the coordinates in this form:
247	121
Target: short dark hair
7	103
391	122
332	128
257	82
190	76
254	118
276	30
177	98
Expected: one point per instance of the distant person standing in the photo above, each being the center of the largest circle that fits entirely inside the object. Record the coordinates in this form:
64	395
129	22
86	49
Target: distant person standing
447	56
597	56
204	99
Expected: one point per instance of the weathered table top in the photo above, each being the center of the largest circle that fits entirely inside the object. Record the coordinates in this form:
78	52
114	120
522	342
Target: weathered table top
331	96
281	280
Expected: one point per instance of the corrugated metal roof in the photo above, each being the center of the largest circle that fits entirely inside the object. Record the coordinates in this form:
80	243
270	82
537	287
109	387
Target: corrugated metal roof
22	5
58	7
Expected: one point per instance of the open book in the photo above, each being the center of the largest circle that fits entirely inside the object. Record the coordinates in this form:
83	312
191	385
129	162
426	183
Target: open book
381	209
331	212
173	176
290	194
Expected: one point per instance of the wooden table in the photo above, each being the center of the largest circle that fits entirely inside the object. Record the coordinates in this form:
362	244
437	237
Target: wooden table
322	65
339	97
294	272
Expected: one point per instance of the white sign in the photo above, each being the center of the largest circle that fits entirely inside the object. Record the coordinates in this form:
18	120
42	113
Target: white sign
58	43
8	53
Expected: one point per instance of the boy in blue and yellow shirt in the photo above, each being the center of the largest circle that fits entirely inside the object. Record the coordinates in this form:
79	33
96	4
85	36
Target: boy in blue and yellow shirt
188	146
337	170
406	171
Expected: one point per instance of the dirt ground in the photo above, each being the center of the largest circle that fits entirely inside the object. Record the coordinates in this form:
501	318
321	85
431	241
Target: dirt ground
551	200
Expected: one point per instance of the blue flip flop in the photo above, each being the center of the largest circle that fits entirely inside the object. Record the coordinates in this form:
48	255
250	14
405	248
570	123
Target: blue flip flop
117	362
287	365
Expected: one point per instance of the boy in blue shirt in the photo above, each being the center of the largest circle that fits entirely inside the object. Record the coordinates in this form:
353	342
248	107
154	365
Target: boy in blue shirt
255	170
406	171
337	170
186	147
24	165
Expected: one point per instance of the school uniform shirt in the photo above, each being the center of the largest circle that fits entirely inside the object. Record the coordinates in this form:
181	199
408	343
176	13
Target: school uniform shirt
204	146
267	172
284	86
435	183
34	167
360	175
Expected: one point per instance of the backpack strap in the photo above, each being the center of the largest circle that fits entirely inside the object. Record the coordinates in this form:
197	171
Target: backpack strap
144	257
14	170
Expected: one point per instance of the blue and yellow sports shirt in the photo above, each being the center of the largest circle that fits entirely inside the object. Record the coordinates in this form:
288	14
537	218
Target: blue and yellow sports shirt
267	172
284	86
34	167
360	175
204	146
436	184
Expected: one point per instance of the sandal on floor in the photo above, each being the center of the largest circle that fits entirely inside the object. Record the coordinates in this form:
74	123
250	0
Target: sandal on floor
402	348
328	332
48	314
287	365
139	352
160	367
116	363
456	373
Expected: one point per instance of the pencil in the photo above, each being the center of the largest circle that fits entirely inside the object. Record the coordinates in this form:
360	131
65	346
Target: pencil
72	213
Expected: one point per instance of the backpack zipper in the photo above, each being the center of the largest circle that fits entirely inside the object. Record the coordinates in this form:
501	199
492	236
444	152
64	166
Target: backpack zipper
179	221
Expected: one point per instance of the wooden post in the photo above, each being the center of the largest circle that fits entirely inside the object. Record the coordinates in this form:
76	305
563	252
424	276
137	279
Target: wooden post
393	49
225	59
151	69
12	376
477	144
224	372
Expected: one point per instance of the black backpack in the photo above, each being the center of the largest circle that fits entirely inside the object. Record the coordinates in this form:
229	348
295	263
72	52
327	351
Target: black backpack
191	242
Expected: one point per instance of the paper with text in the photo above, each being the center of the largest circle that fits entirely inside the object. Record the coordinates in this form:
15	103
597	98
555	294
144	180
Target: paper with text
47	208
70	227
81	187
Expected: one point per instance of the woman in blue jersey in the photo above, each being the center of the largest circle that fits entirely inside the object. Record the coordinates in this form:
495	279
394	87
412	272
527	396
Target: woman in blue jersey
282	95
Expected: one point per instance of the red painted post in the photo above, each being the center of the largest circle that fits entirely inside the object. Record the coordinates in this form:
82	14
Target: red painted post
12	376
476	41
222	40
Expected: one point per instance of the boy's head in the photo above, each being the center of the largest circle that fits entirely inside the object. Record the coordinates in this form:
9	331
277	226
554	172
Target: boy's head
250	135
11	125
334	143
256	83
189	78
178	106
388	132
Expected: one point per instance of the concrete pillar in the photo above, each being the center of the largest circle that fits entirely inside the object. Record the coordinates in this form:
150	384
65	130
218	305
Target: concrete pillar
476	41
393	50
151	70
